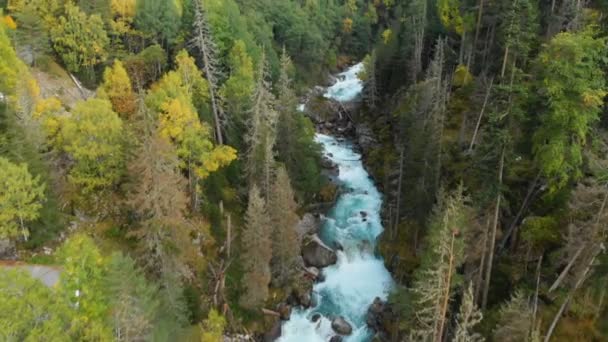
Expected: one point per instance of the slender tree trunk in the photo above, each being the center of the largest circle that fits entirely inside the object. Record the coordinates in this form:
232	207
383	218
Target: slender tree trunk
482	261
521	210
483	109
504	62
562	308
562	275
535	306
486	287
478	25
396	223
446	298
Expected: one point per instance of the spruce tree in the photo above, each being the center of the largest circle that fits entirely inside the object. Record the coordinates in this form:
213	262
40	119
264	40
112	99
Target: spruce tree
261	135
283	216
257	251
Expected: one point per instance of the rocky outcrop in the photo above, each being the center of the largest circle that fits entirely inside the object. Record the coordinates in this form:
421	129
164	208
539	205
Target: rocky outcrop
341	326
379	318
308	225
365	137
316	253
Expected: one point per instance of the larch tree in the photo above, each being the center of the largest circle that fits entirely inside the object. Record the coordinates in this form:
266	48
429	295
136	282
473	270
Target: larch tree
117	87
256	254
468	317
434	283
21	197
261	135
79	39
93	136
284	218
203	41
574	86
515	322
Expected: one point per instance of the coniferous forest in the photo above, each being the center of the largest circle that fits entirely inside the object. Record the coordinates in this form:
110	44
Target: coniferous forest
180	170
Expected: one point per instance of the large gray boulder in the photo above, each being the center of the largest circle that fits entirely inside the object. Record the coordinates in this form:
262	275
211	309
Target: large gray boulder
341	326
316	253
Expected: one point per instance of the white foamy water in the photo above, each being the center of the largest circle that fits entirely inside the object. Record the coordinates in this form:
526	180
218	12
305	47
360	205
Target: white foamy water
359	276
348	86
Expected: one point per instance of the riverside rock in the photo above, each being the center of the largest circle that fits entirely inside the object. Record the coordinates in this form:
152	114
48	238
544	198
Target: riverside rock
341	326
316	253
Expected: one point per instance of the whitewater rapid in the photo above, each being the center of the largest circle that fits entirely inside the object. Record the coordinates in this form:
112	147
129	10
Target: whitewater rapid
359	276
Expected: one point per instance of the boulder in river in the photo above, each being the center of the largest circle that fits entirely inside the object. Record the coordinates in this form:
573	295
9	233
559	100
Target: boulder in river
316	253
336	338
341	326
315	317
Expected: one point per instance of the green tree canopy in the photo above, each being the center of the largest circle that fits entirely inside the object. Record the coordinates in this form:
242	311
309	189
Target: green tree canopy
20	199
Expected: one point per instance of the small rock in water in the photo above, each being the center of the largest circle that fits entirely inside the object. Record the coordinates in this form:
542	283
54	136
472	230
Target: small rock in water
363	213
315	317
336	338
341	326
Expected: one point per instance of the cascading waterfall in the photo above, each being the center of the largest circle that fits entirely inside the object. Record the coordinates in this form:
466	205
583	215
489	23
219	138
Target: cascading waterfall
354	223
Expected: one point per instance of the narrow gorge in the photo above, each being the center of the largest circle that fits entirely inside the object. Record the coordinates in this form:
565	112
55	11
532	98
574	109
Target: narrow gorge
349	287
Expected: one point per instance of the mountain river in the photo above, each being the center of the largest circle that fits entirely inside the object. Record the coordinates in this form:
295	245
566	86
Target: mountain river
359	276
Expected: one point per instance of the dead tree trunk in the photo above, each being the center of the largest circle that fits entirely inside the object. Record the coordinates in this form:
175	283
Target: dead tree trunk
483	109
203	41
484	300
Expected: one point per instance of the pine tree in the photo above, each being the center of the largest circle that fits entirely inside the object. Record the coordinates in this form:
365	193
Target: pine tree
257	251
261	133
283	216
468	317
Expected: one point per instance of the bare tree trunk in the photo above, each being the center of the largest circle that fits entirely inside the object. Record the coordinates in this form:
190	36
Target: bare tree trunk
203	42
486	288
562	275
483	109
504	62
535	306
478	25
520	212
562	308
228	235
